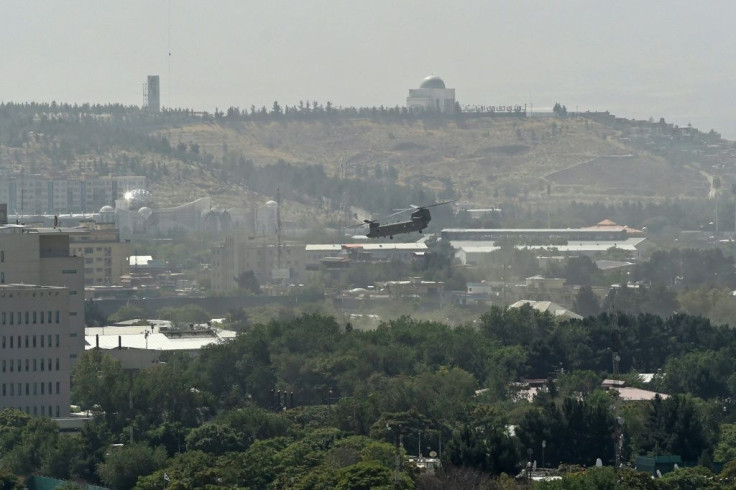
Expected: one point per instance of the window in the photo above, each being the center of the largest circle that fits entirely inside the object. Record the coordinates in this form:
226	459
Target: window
57	340
42	385
48	337
2	277
49	317
26	341
34	318
28	365
57	363
2	255
11	341
41	315
34	364
27	317
3	389
57	387
42	341
57	316
3	341
34	341
4	365
4	317
17	320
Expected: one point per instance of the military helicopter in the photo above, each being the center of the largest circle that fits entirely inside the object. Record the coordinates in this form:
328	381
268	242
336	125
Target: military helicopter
419	219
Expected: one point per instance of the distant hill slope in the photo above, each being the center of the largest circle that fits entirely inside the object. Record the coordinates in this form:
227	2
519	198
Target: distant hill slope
486	160
482	159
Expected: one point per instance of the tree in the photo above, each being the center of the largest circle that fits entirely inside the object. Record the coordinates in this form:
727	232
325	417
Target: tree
214	438
123	465
363	476
586	302
247	281
99	384
127	312
483	443
184	314
580	270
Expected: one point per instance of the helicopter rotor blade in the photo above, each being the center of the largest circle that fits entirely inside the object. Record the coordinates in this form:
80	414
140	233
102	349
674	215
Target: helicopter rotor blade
437	204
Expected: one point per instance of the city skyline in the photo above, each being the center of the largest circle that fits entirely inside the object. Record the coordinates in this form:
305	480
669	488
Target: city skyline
657	59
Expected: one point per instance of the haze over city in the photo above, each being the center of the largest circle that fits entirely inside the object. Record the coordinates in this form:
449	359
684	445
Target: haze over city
637	60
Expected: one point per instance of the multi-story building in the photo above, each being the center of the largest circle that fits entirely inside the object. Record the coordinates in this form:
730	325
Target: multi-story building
39	194
105	256
35	349
42	257
268	261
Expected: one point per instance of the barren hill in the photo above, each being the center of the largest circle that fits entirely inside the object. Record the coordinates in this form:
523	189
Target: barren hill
485	160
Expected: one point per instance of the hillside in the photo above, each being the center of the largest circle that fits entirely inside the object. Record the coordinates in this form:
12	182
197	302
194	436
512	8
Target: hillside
486	160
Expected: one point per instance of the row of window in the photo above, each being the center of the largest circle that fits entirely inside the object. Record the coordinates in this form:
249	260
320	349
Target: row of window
30	317
42	388
40	410
31	341
16	365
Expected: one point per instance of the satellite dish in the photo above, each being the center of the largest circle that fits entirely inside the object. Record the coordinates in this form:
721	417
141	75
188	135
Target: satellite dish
433	454
599	462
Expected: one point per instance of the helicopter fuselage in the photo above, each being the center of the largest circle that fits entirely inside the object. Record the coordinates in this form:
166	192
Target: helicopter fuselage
419	221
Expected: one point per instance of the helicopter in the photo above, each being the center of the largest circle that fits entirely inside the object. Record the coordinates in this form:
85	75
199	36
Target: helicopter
419	219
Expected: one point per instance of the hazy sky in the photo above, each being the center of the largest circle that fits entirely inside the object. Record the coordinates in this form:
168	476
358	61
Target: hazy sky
638	59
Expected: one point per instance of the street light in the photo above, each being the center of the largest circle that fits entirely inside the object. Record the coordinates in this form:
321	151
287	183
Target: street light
544	445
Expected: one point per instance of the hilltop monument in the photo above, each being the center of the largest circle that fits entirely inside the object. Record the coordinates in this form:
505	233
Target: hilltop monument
432	96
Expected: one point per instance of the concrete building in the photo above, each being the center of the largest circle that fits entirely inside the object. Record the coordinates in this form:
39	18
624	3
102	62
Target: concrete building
28	195
36	349
42	257
140	346
432	96
105	256
269	262
153	94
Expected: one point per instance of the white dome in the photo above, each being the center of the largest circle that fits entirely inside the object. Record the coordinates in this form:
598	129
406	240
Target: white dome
145	211
272	204
107	209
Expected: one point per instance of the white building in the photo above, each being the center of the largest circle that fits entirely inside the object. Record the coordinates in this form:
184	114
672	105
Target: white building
431	96
140	346
35	346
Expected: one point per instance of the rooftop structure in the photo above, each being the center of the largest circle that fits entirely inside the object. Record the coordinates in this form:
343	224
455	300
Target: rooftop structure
548	307
139	346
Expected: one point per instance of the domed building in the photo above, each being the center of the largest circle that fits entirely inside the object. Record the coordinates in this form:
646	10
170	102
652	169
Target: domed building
431	96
